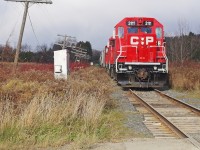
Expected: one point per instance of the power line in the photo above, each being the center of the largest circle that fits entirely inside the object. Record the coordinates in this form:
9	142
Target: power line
52	23
26	2
33	29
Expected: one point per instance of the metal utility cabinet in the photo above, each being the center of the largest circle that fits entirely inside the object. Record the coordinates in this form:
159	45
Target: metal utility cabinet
61	64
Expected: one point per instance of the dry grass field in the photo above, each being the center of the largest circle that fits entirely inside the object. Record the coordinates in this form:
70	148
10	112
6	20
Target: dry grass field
186	77
38	111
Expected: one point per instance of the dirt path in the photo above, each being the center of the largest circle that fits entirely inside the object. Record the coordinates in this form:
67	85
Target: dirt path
148	144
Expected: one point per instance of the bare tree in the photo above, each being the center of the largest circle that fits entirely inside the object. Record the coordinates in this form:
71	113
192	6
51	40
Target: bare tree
7	53
183	30
185	45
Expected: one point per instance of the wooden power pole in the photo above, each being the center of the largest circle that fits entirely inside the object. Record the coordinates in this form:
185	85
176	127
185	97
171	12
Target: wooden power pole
23	25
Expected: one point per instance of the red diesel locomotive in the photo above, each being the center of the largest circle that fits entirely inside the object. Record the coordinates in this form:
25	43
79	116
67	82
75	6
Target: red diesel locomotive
135	55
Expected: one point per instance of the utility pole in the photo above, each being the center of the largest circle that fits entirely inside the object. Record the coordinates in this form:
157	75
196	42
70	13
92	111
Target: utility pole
23	25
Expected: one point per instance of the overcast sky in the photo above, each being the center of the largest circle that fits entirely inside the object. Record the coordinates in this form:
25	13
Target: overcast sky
91	20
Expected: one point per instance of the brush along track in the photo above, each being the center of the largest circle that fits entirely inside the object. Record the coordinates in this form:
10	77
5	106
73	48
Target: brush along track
167	117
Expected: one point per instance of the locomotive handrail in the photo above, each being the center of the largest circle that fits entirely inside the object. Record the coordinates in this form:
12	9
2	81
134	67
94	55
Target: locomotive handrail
164	54
123	51
118	55
109	60
131	46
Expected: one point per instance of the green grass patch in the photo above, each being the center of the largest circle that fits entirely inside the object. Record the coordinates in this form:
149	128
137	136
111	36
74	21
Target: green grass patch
79	133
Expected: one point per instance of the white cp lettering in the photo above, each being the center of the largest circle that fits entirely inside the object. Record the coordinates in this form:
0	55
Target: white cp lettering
149	39
134	40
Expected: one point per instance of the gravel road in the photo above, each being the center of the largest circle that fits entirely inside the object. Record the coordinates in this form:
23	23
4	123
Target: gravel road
148	144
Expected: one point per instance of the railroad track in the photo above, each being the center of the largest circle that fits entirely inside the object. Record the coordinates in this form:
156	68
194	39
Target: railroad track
167	117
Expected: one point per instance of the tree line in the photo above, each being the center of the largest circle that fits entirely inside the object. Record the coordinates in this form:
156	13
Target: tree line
179	48
43	53
183	47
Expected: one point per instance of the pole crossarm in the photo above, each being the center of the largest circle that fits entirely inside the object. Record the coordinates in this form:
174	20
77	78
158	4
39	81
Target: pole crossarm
32	1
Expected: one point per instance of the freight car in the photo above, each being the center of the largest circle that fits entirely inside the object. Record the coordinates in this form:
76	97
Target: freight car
135	55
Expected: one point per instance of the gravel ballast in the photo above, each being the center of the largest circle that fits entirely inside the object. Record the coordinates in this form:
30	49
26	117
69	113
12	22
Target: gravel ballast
134	120
183	96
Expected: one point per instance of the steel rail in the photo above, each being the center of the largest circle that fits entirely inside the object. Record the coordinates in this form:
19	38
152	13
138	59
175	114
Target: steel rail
165	121
185	105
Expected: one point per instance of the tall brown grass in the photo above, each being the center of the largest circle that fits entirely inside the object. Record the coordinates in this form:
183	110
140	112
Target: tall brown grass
185	76
38	110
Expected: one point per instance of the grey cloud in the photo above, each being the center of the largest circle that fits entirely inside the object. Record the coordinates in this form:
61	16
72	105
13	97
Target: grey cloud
91	20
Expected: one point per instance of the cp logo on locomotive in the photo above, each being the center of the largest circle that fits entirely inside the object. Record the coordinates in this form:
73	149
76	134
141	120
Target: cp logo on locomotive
135	40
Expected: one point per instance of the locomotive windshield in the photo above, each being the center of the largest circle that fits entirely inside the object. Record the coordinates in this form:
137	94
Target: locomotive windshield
133	30
141	29
146	30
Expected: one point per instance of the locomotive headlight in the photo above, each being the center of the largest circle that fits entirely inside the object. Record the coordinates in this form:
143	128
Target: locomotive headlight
130	67
155	67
